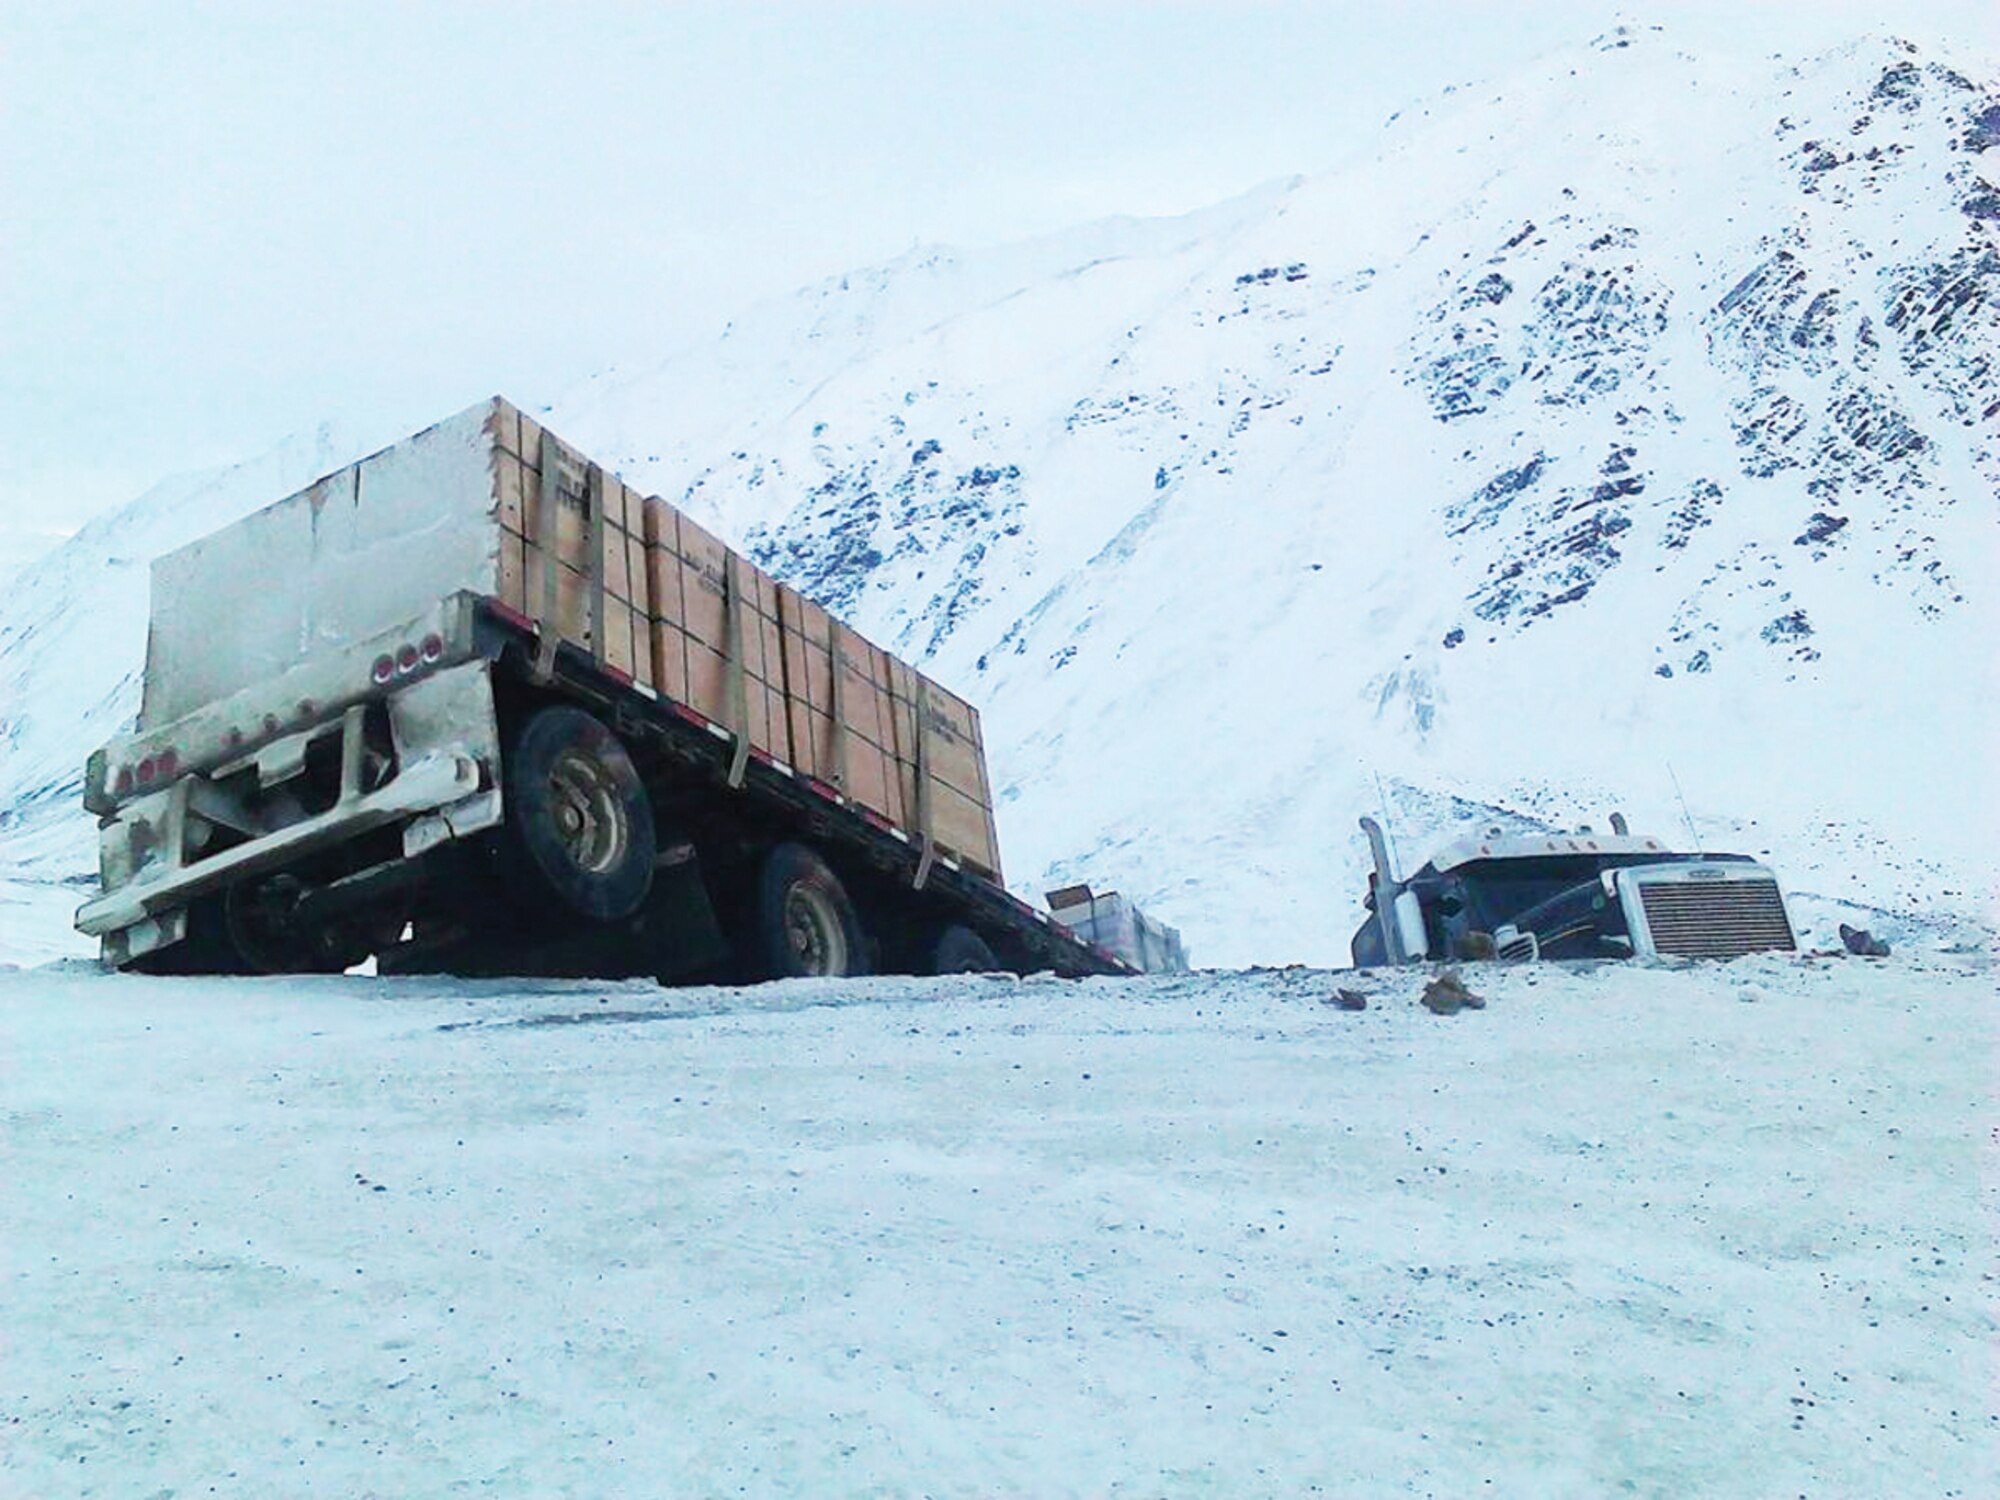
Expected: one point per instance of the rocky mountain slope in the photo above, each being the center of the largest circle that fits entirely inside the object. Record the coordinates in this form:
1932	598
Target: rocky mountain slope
1629	422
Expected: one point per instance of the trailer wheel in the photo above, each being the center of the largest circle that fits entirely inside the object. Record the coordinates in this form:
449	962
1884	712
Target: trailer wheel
805	925
960	950
256	927
579	826
206	948
243	931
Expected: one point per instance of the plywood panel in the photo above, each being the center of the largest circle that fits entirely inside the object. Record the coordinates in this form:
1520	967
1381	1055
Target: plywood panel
617	568
812	741
621	648
951	743
662	525
704	581
860	707
869	781
505	425
614	504
902	728
663	566
808	671
796	613
780	723
511	480
513	572
572	522
572	610
641	576
670	675
770	654
960	824
708	681
572	469
703	613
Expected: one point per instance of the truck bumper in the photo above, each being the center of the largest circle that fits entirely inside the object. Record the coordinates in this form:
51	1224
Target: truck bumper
153	848
125	918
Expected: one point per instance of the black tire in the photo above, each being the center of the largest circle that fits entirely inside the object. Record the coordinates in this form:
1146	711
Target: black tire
579	825
256	920
960	950
206	949
804	925
242	931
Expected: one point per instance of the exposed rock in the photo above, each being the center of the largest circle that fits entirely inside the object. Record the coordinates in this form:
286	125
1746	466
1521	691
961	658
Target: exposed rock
1447	995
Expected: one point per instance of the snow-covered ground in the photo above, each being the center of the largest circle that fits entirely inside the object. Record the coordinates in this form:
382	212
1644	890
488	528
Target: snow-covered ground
1722	1230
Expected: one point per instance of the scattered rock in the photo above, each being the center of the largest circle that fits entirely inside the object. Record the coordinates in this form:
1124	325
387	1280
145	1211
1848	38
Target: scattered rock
1447	995
1475	947
1862	943
1347	1000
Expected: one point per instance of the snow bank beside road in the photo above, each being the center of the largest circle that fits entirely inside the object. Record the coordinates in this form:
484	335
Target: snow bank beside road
1711	1231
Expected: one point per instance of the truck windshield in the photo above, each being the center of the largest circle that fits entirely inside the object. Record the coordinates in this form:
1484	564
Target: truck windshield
1500	890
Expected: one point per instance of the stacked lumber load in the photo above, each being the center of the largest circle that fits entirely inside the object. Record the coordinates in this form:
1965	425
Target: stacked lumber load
658	600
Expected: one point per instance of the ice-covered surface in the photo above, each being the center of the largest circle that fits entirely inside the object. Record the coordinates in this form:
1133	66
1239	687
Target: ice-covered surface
1626	419
1712	1231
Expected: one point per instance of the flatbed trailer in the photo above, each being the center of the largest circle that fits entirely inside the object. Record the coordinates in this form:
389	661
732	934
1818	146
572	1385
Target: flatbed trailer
477	789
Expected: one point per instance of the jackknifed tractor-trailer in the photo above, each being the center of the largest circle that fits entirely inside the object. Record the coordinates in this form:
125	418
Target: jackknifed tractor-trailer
472	705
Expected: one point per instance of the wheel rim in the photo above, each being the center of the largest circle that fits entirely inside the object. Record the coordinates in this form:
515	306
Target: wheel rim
589	816
814	933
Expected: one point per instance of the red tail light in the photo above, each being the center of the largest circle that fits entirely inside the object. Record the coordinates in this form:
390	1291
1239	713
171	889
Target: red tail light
384	669
124	780
146	770
169	761
433	647
406	658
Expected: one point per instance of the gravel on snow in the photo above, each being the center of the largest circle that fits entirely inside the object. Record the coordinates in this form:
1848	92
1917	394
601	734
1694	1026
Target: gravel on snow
1716	1230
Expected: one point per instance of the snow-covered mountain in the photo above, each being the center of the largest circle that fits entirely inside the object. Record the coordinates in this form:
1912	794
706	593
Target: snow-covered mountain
1628	421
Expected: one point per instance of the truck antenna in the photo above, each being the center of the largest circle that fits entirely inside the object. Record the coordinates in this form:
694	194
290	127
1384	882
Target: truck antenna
1696	837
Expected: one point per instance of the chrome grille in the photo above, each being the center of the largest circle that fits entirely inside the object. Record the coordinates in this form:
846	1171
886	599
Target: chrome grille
1715	918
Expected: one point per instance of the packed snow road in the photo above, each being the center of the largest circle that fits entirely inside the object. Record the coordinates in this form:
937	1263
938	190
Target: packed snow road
1627	1230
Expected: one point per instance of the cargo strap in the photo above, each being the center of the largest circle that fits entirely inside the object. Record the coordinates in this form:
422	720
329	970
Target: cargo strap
593	564
837	701
739	691
547	634
926	845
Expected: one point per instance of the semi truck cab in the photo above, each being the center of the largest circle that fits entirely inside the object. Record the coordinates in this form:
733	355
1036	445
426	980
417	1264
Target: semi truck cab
1567	895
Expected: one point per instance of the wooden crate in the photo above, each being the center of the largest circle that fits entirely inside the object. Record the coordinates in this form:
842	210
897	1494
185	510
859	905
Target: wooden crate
601	596
652	593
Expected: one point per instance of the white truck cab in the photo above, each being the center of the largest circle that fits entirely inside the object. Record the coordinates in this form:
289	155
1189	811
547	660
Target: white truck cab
1580	894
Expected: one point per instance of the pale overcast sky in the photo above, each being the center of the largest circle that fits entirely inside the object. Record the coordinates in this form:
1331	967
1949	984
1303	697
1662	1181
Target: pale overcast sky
224	223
